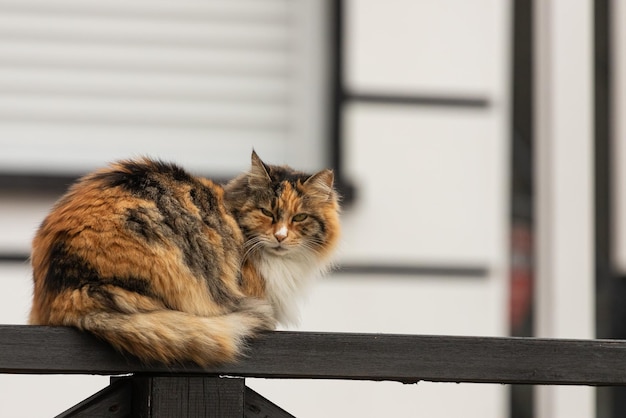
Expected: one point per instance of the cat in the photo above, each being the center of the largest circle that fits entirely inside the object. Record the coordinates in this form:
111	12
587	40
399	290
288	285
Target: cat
171	267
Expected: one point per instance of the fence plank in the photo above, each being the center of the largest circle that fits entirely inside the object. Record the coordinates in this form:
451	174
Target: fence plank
188	396
112	401
258	406
404	358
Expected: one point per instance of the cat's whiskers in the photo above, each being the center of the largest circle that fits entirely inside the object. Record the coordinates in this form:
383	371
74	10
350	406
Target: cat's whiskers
252	245
313	245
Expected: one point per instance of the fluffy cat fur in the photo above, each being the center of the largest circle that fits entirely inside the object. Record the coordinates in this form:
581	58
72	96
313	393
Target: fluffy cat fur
171	267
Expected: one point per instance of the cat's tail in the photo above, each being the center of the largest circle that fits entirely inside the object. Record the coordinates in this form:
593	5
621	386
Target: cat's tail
171	336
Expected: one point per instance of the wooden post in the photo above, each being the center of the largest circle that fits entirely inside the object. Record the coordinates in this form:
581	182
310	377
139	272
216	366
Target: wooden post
165	396
113	401
188	397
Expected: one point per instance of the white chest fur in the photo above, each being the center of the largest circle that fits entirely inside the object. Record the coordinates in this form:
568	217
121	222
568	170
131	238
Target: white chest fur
287	279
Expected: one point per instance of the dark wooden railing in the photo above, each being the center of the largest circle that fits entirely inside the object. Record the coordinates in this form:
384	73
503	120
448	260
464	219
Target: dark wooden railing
189	391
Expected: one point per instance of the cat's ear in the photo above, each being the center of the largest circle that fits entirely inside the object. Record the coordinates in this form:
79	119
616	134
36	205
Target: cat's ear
320	185
259	177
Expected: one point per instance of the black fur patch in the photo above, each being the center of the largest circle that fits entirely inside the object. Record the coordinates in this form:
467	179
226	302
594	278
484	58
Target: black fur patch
67	271
204	199
70	271
281	174
142	178
320	223
315	229
138	221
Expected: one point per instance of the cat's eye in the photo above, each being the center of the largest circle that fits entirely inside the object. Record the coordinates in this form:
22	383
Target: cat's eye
267	213
299	217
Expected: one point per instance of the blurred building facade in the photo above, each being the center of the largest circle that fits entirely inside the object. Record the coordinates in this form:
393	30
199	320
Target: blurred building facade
410	101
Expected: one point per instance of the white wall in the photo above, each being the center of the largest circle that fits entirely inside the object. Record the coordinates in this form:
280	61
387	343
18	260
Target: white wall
564	141
433	189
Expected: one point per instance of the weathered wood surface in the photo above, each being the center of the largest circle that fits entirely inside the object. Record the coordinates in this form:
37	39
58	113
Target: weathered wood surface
259	407
113	401
188	396
149	396
403	358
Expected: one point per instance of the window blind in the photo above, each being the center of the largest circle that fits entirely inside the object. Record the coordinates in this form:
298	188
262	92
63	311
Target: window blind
198	82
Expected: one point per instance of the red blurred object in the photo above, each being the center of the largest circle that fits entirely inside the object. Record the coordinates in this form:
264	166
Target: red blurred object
521	290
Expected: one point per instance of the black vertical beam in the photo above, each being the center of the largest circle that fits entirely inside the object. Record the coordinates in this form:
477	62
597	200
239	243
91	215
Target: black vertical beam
336	85
602	161
338	100
610	289
522	192
259	407
114	401
188	397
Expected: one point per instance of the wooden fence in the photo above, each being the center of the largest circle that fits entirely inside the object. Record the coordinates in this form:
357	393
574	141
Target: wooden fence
189	391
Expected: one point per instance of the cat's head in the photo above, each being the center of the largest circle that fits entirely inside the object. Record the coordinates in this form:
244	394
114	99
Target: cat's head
284	212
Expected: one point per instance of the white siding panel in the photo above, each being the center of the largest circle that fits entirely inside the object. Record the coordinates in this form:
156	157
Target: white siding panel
129	29
76	148
85	56
159	9
424	46
37	108
55	82
20	216
428	185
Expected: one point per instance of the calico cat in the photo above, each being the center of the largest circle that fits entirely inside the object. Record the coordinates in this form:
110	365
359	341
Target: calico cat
171	267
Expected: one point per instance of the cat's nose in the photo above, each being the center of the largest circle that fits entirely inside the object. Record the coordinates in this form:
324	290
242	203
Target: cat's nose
281	233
